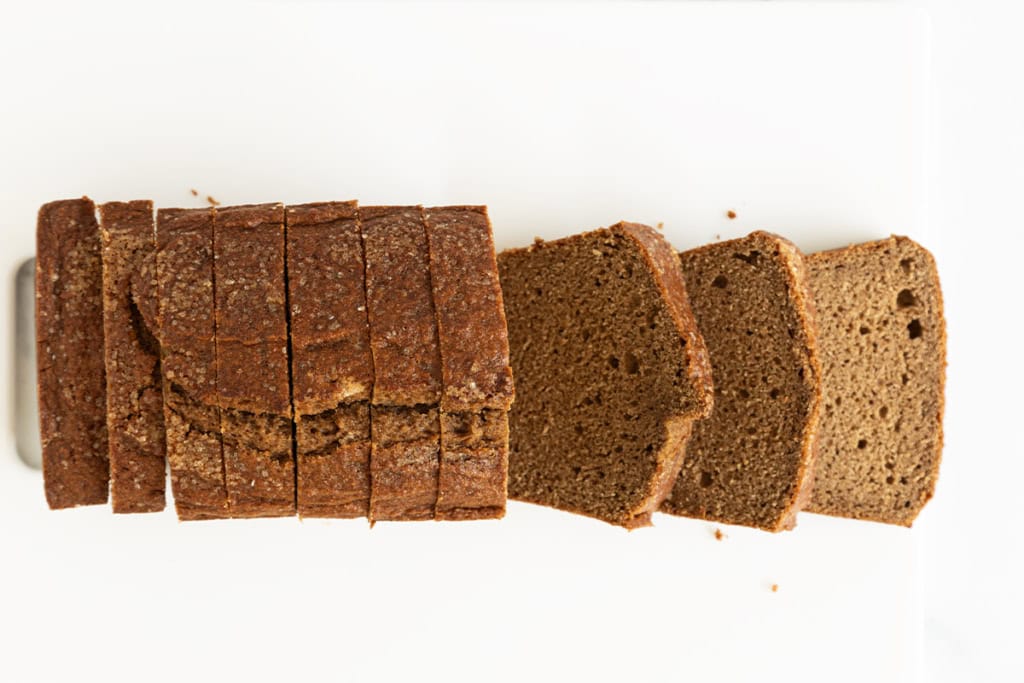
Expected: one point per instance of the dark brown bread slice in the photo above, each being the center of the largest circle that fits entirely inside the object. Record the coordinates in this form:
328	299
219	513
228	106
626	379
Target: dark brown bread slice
610	372
407	364
253	382
477	379
332	367
135	419
69	343
185	292
883	350
751	461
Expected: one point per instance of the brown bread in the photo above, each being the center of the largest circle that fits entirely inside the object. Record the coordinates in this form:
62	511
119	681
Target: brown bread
883	350
404	419
253	383
751	461
70	364
477	380
610	372
185	292
135	420
332	367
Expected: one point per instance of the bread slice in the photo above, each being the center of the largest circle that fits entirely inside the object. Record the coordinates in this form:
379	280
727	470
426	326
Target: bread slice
70	369
751	461
883	350
135	418
332	368
477	380
610	371
185	286
253	384
404	419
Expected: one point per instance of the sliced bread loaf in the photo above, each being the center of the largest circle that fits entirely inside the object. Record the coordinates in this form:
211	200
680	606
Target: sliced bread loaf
883	351
332	369
70	365
610	372
135	419
750	462
477	380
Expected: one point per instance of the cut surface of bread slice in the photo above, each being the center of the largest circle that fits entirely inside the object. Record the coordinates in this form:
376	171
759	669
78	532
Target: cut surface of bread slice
477	380
253	384
70	366
184	269
332	368
610	372
404	418
883	350
135	418
750	462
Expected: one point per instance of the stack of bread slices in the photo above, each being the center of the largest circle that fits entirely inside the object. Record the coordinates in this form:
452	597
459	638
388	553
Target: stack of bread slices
334	360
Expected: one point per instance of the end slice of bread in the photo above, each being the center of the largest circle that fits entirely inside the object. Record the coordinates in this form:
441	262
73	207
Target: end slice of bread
610	372
883	352
751	461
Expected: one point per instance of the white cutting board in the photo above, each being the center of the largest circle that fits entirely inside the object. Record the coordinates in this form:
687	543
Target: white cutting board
805	119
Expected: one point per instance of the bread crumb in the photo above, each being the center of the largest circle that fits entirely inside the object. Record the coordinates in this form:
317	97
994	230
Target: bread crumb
194	191
731	214
718	237
775	588
212	201
719	535
661	226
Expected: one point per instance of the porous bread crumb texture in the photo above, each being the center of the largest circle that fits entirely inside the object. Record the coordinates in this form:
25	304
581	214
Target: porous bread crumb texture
750	462
602	350
135	421
332	368
185	293
404	417
476	376
70	365
252	332
883	352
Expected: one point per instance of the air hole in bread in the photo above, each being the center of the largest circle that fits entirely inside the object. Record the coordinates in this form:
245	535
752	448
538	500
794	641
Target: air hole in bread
721	282
862	444
906	264
883	412
774	393
914	328
864	329
632	364
614	362
750	257
705	479
905	299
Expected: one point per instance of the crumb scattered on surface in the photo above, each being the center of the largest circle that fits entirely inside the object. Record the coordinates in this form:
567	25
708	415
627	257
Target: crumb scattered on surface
775	588
212	201
194	191
730	213
719	535
718	237
661	226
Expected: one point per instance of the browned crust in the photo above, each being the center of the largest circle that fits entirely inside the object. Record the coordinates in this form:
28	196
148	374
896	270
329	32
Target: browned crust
403	330
185	294
71	373
252	333
135	421
669	277
670	460
332	367
470	312
841	253
803	306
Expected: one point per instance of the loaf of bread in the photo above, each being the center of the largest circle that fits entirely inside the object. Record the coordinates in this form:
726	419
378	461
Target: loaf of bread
610	371
135	418
69	354
883	350
751	461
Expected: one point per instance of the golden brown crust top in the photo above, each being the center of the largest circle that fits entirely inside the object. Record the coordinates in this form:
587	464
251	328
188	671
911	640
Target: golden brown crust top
403	329
470	312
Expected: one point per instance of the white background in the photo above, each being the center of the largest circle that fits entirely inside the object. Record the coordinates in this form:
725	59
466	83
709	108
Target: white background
828	122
